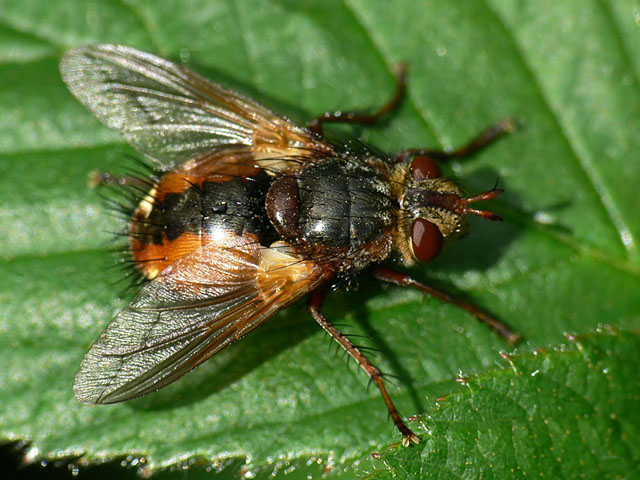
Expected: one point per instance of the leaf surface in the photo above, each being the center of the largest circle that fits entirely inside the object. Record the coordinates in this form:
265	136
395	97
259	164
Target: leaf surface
566	259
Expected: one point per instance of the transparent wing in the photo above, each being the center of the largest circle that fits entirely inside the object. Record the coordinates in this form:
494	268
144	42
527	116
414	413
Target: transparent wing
172	114
193	309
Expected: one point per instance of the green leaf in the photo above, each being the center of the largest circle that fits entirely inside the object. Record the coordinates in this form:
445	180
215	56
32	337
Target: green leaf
566	259
554	414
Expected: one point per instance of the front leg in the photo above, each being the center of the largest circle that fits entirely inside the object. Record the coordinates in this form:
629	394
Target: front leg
315	303
404	280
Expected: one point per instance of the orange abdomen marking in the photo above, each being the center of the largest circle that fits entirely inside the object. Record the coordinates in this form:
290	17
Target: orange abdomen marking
152	258
184	212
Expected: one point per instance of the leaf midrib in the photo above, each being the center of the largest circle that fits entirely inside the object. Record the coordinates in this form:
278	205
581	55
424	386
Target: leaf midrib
586	164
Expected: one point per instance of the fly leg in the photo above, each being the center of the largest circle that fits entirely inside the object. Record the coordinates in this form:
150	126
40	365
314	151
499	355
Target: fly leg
486	137
404	280
365	118
315	303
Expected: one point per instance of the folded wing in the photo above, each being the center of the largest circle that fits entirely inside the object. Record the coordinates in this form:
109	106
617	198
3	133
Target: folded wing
171	114
192	310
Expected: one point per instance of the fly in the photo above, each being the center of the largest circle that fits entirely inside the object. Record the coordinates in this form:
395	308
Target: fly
248	213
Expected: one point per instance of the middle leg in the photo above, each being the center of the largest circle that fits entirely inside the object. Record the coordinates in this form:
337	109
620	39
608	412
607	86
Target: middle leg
484	139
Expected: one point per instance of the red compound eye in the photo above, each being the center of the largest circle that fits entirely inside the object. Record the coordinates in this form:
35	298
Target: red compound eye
425	167
427	240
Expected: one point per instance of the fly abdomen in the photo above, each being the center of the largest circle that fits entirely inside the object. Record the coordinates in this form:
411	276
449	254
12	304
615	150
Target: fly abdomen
181	214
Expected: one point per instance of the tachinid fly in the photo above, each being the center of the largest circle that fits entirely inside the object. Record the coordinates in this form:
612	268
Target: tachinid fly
249	213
